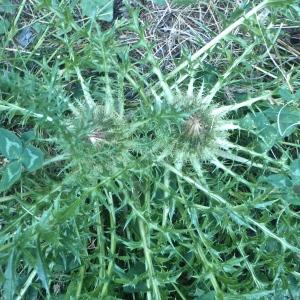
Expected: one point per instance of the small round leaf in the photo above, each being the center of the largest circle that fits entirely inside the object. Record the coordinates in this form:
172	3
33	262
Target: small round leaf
32	158
10	145
11	174
28	136
279	181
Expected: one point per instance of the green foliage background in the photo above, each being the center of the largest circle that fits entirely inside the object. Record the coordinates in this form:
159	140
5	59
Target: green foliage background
110	212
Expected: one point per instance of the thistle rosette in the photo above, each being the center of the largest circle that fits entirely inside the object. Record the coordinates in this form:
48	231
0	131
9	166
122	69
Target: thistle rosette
186	129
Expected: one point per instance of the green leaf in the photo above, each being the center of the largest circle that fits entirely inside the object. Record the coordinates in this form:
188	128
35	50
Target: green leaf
67	212
10	278
11	174
288	120
209	296
160	2
280	3
32	158
279	181
270	137
184	2
292	198
295	168
10	145
7	6
297	95
239	221
72	289
296	189
4	26
260	120
41	268
100	9
285	94
28	136
247	122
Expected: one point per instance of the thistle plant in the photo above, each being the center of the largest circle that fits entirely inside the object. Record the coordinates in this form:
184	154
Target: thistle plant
158	184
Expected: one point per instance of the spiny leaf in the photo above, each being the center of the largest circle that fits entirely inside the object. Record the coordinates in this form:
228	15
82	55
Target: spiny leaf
11	174
10	145
67	212
10	278
41	268
32	158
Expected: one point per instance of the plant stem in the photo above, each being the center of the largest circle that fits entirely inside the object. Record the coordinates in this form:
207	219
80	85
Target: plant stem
164	85
166	195
100	243
233	157
261	155
250	267
268	232
10	106
113	243
196	184
55	159
81	274
149	264
223	110
86	92
208	268
221	166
